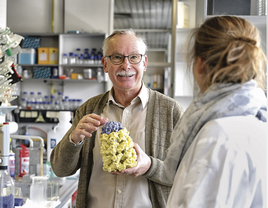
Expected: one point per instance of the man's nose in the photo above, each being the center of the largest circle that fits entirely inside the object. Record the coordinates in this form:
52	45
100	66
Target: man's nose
126	61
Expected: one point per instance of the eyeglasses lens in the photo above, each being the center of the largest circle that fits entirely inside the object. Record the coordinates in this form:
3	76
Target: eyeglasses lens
133	59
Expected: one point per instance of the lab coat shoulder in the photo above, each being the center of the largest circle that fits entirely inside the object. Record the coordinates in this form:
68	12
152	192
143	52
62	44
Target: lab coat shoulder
225	166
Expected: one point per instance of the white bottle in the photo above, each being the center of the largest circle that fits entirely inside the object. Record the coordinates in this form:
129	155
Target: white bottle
54	136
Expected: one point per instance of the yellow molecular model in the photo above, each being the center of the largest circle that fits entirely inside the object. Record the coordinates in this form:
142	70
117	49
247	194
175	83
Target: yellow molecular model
116	148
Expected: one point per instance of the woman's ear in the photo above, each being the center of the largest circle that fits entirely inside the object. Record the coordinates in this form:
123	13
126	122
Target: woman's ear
200	65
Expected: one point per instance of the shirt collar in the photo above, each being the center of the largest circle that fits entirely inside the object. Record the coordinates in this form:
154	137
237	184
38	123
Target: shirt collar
143	97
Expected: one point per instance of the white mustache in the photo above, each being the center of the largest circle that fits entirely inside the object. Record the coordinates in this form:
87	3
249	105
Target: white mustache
125	73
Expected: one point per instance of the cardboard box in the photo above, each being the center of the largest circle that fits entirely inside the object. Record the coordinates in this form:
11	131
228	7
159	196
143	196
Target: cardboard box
41	72
43	55
27	56
53	55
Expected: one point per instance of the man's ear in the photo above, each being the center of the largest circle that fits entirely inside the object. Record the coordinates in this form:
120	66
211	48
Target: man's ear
200	65
145	62
104	64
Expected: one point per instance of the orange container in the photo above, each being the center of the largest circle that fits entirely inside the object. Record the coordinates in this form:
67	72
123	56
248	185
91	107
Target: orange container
53	55
43	55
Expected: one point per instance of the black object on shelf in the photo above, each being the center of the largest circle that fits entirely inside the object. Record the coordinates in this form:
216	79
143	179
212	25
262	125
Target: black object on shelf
229	7
38	116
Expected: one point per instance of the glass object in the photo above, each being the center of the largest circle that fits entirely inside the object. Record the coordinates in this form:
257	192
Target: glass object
64	58
47	98
24	95
71	58
23	103
27	74
57	105
80	59
32	97
39	97
53	100
38	189
7	189
53	191
66	104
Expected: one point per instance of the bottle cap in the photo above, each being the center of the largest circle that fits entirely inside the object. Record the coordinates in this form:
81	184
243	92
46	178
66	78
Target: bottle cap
65	116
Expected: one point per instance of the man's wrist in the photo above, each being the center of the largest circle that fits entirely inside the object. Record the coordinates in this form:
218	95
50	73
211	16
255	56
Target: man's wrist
75	144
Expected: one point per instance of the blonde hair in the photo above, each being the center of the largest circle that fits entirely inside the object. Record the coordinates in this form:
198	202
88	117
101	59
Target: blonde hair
230	48
123	32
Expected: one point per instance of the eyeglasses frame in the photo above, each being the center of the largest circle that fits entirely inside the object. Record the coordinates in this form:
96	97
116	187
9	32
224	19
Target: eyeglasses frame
125	57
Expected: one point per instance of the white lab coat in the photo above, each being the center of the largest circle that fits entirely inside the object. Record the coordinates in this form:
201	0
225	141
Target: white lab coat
225	166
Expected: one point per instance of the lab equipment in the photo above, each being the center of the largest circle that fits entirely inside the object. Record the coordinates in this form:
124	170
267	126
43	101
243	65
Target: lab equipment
54	136
9	44
7	185
38	189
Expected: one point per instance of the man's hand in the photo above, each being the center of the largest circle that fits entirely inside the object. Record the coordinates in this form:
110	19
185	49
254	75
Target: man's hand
86	126
143	164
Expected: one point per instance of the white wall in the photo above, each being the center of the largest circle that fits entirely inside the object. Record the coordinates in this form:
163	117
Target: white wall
3	13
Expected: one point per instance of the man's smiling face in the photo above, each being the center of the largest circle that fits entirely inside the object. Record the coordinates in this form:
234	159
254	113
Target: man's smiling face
126	76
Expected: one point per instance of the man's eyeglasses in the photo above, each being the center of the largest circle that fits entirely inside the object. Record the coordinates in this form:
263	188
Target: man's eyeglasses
119	59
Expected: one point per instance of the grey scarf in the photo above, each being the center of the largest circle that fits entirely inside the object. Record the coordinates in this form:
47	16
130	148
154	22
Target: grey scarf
222	100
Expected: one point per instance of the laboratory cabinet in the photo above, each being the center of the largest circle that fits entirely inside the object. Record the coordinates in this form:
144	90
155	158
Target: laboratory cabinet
78	80
64	44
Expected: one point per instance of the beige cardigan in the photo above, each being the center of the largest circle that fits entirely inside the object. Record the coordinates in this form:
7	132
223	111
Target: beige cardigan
162	115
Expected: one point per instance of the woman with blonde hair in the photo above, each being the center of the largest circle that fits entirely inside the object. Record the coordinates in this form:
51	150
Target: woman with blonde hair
217	157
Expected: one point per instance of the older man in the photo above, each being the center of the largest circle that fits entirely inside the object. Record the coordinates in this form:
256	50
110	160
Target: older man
148	115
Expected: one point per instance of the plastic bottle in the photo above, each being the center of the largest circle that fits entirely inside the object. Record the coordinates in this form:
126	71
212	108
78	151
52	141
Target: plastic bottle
24	161
54	136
